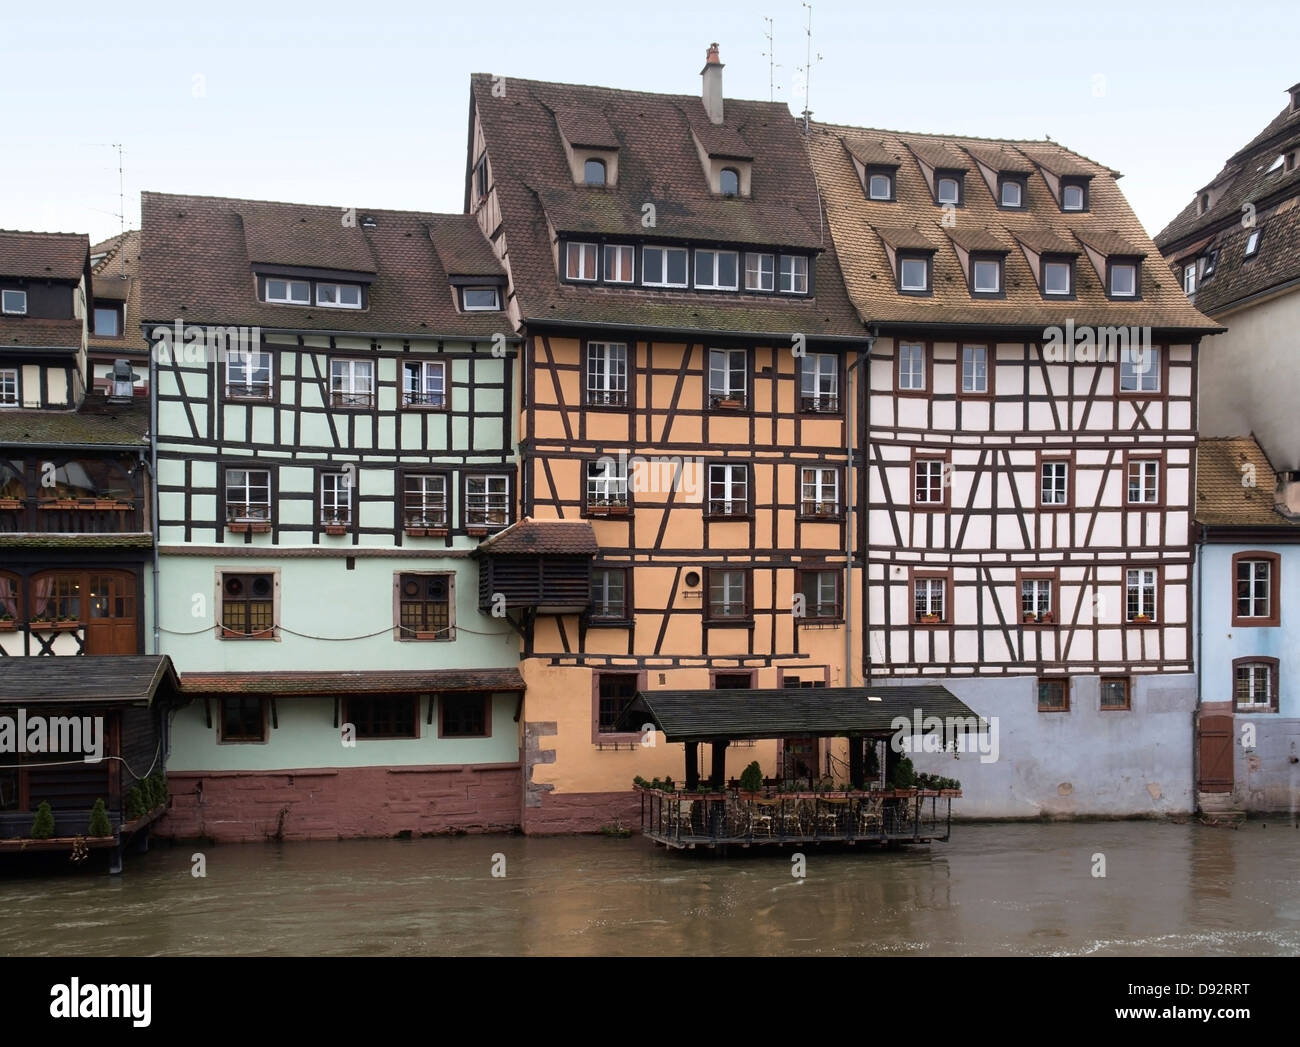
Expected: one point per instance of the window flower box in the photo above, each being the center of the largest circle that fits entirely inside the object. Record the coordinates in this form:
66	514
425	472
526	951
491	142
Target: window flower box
11	503
49	625
7	625
931	619
436	634
728	403
1141	619
60	503
426	532
111	503
249	526
336	528
607	509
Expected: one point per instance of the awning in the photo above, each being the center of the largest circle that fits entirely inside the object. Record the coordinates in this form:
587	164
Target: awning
94	679
397	681
784	712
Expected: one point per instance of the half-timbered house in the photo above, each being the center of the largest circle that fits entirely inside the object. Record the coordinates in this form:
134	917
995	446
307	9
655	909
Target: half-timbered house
1030	434
335	399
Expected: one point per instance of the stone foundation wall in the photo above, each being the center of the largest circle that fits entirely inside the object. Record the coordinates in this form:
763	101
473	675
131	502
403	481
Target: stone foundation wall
582	812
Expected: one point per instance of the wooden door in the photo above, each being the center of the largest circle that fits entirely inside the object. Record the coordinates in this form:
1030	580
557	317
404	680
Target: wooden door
1214	736
110	614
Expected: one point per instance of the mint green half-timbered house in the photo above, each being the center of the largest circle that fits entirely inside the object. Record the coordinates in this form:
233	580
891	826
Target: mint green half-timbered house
334	404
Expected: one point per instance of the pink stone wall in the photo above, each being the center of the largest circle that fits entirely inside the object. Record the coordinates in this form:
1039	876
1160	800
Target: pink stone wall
583	812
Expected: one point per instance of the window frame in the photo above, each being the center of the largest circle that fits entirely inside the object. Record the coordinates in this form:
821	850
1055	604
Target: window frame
289	282
248	521
746	617
800	266
1274	618
339	479
232	391
958	178
403	633
715	396
338	285
118	309
404	512
802	575
770	272
1127	681
835	513
594	161
495	307
226	632
1124	262
486	475
349	715
1157	593
819	402
696	257
666	250
597	735
617	251
729	483
927	260
1189	276
337	398
1051	575
735	173
1160	370
1082	184
426	367
927	368
263	707
890	174
582	247
17	374
1274	683
605	402
6	309
944	458
1018	180
1071	267
624	618
612	506
990	369
1132	458
1253	239
1063	682
1042	460
978	258
929	574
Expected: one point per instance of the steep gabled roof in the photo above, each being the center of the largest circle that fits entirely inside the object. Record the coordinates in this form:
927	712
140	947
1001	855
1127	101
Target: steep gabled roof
44	256
529	537
116	280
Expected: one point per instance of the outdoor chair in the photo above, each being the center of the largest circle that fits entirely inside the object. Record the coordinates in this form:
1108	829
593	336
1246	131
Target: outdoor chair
870	815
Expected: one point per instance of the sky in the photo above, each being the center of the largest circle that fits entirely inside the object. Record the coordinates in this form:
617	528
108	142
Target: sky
366	104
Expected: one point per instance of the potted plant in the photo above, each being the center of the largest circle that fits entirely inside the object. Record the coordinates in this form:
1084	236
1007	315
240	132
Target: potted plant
1142	618
7	622
1030	617
43	823
1047	617
751	778
728	402
99	824
931	619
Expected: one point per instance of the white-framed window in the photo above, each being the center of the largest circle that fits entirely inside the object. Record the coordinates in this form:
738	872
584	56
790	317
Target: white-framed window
9	387
1253	684
289	292
1254	589
728	378
107	321
930	597
927	481
728	490
717	270
609	593
1035	596
580	261
1252	243
424	500
480	299
975	369
13	303
1139	370
986	277
794	274
949	190
819	491
1140	593
487	500
352	383
248	495
606	484
1012	193
1208	262
336	498
911	366
620	263
1054	483
424	383
819	382
607	373
760	271
1189	278
1123	280
913	273
880	186
339	296
248	374
1073	196
1143	481
1058	278
821	594
728	594
664	266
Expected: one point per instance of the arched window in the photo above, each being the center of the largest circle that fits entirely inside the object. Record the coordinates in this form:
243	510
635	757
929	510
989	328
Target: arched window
10	598
729	182
593	172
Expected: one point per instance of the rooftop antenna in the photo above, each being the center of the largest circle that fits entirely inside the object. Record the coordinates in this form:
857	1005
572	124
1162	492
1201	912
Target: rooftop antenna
806	68
121	190
772	65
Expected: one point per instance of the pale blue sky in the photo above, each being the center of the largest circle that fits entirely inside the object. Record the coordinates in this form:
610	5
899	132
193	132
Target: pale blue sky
365	103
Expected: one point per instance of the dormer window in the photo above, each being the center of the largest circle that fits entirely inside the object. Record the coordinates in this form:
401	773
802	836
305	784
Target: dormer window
880	184
1295	99
107	321
1252	243
760	271
1210	261
480	299
1011	192
1074	194
580	261
1189	279
717	270
664	266
948	187
1123	279
986	275
593	172
1058	278
1204	203
13	303
620	263
914	273
794	274
288	292
1288	162
339	296
729	182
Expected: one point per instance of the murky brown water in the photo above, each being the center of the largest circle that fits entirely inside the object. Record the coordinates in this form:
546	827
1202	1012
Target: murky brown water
994	889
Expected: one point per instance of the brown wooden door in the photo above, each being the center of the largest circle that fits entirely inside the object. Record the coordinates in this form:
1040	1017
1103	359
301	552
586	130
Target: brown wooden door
1215	740
110	613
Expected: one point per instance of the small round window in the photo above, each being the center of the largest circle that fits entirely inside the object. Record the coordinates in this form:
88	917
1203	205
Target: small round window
729	182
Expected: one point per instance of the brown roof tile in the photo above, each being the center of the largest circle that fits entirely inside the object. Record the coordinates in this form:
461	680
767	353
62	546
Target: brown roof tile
96	422
1001	158
902	237
461	247
938	155
42	334
873	152
367	682
529	537
48	256
1108	242
976	239
584	125
116	278
1223	497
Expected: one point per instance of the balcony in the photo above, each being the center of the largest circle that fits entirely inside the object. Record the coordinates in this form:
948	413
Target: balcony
70	516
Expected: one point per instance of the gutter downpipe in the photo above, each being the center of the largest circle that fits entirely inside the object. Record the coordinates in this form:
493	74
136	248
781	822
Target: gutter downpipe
153	493
1199	668
850	429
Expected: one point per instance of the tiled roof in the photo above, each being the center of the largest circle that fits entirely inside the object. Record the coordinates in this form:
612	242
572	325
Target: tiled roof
1224	495
39	334
368	682
1001	158
102	679
529	537
197	265
10	540
659	164
461	247
861	228
97	422
116	278
583	125
47	256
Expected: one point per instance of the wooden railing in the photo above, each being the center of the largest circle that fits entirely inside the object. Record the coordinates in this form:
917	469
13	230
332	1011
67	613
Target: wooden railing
70	516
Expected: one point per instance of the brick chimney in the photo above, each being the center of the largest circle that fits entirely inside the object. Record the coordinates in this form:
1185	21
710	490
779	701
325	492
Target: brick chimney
712	74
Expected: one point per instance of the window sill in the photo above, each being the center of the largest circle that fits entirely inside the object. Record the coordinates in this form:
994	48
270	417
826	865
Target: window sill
1256	623
1037	623
809	621
820	517
254	398
611	510
1053	708
726	404
1253	710
1115	708
231	634
744	517
483	530
53	627
610	623
423	407
931	624
1141	624
739	623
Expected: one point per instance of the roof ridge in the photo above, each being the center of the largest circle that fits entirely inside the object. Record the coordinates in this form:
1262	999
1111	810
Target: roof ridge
630	92
292	203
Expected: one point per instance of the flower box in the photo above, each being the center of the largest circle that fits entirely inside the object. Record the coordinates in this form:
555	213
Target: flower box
435	635
1047	617
949	792
11	503
249	526
60	503
7	625
111	503
931	619
607	510
336	528
1141	619
38	625
728	403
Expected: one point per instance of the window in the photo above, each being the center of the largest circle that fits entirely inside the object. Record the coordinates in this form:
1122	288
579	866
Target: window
607	374
336	499
248	495
733	681
1115	692
794	274
615	692
1252	243
975	370
388	717
243	719
914	273
1189	278
663	266
728	490
880	185
1203	204
480	177
819	376
248	606
1288	162
1256	577
1058	278
339	296
13	303
911	367
1036	600
1123	279
1276	165
930	600
620	263
821	595
248	375
1054	696
728	594
1074	194
480	299
1255	684
107	321
1053	484
1143	481
1140	594
819	491
10	598
1210	260
716	270
487	501
929	486
729	182
9	396
609	594
424	607
986	275
593	172
728	376
948	189
424	501
55	596
607	486
580	261
352	383
424	383
1139	370
290	292
1011	192
759	271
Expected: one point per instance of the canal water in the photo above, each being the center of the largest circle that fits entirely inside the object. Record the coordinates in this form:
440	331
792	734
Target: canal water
992	890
